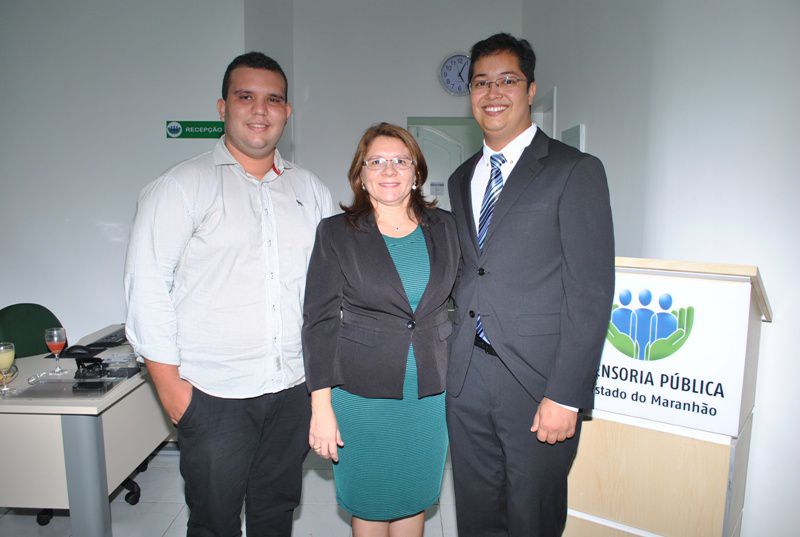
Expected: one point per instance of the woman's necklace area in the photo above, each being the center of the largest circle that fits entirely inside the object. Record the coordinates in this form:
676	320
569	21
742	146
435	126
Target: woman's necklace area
396	226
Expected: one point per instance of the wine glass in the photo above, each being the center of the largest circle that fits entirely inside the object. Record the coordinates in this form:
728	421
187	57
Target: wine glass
6	362
56	338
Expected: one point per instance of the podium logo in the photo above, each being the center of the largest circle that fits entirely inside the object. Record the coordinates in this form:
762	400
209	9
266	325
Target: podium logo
646	333
174	129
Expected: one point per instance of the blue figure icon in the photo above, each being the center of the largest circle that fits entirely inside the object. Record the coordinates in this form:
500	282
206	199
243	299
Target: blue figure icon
623	317
664	324
641	324
643	334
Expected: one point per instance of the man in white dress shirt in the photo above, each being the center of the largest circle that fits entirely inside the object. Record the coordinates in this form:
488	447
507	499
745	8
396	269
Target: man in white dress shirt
214	280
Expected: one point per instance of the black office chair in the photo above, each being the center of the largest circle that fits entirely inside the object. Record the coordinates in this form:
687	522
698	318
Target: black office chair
24	325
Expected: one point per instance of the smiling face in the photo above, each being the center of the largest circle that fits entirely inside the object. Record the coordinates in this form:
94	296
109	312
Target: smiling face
389	187
255	113
502	114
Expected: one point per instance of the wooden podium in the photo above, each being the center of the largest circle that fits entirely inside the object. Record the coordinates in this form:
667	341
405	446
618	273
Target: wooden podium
665	451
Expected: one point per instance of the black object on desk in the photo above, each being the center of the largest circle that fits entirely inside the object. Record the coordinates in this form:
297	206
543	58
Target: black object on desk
95	368
92	386
90	368
80	351
114	339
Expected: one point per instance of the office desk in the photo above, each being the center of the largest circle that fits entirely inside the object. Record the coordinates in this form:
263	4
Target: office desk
69	452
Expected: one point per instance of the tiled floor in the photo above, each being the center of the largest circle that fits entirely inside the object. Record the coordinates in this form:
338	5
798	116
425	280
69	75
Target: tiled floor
162	513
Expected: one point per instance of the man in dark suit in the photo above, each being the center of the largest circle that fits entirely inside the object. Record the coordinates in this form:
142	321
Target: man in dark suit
532	301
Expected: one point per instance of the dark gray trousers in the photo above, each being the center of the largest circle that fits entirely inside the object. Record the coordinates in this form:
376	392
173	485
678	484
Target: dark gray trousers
250	451
507	483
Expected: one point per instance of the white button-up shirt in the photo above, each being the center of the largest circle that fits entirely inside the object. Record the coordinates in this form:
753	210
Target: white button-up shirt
215	272
480	177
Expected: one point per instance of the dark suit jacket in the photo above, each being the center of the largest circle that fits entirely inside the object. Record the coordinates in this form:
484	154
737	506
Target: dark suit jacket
544	281
358	323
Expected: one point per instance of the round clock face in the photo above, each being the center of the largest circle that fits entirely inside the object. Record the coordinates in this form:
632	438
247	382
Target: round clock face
453	74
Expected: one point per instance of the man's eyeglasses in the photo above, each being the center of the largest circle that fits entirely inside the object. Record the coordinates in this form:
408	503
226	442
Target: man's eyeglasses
504	83
380	163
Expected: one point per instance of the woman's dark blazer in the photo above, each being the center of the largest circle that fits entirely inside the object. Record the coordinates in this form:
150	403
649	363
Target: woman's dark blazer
357	321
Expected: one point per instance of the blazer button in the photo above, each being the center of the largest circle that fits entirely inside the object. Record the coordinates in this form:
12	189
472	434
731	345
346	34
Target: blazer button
410	325
471	313
481	272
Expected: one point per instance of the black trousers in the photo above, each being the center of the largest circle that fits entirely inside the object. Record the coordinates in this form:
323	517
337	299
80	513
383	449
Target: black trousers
250	451
507	483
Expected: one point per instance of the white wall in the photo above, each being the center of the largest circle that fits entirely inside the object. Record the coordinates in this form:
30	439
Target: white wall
358	62
268	28
598	57
693	108
85	91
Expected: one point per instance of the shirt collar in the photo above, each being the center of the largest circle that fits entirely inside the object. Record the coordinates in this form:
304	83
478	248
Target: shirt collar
223	157
280	164
513	149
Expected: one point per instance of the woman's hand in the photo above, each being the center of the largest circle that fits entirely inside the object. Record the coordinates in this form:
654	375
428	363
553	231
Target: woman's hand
323	435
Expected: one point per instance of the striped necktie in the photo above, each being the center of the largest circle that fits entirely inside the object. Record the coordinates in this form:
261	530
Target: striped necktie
490	197
487	209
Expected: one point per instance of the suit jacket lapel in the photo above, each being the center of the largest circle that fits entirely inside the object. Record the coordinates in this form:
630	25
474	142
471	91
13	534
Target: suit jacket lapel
434	234
523	174
381	261
387	271
465	193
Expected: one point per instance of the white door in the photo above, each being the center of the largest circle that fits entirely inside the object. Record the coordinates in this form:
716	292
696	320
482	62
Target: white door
443	154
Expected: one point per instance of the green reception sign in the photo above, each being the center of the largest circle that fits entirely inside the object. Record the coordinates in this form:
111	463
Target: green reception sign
194	129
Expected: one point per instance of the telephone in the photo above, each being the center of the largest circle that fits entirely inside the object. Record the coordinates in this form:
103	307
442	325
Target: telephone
78	351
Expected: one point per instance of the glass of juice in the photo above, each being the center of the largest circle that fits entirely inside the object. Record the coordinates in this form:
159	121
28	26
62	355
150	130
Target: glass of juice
6	361
56	339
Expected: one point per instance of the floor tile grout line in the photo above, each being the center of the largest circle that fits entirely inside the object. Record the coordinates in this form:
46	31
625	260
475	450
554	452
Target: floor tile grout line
169	526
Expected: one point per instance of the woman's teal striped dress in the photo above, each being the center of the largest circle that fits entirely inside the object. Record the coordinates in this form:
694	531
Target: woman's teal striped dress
392	462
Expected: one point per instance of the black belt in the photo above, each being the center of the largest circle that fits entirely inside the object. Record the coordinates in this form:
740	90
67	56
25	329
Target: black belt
485	347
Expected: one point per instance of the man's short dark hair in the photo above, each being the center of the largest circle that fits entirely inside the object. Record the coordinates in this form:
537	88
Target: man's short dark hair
255	60
505	43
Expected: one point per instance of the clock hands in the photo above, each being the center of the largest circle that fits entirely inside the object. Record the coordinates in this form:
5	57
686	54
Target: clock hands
452	66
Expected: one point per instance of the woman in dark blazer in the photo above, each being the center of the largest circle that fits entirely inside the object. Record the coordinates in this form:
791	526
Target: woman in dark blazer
375	337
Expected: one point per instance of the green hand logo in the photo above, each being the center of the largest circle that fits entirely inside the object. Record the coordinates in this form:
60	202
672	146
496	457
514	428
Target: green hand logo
664	347
644	334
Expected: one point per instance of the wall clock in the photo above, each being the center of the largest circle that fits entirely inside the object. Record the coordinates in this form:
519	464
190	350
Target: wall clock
453	74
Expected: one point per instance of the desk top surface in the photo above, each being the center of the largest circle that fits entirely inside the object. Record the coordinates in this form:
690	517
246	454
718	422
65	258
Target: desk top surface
85	403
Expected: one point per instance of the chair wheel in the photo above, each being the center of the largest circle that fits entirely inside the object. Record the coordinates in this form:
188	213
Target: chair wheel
44	517
134	491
